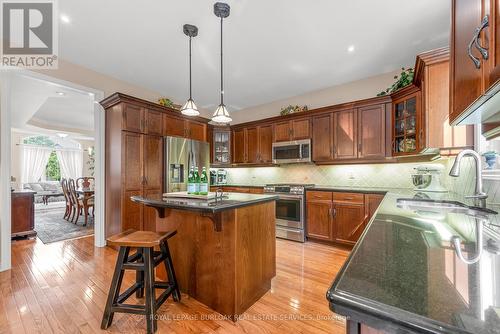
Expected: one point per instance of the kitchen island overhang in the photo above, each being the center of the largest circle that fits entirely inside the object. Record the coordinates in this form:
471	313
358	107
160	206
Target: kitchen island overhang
396	278
224	253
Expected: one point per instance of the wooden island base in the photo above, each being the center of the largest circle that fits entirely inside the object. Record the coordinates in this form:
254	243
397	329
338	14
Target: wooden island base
224	260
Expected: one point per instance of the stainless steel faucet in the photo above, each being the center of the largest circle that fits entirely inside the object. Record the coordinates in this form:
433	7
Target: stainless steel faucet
479	195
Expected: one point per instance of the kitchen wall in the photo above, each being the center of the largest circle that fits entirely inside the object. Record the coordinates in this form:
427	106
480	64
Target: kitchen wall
351	91
373	176
86	77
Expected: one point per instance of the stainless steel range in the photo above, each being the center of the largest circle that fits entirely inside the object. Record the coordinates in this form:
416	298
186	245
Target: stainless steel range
290	210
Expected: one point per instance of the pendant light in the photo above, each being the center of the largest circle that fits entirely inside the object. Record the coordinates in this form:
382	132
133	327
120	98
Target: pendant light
221	115
189	108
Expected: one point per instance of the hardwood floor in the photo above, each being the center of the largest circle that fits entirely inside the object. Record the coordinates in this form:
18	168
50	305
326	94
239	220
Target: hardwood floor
62	288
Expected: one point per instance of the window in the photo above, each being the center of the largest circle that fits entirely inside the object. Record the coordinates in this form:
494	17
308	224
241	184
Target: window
53	169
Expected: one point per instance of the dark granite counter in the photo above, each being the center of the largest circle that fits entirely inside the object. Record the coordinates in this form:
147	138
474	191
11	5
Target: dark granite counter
239	185
404	276
228	202
364	190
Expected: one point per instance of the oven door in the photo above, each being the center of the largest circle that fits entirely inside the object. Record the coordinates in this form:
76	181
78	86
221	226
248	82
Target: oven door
290	211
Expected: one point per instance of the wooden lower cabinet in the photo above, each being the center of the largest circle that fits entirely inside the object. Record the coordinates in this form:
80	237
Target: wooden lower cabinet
348	221
319	218
22	213
339	217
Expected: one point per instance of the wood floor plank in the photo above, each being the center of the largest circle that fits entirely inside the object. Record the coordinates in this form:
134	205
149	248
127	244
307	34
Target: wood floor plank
62	288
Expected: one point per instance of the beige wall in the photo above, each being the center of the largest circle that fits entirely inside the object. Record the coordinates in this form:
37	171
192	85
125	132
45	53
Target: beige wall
355	90
92	79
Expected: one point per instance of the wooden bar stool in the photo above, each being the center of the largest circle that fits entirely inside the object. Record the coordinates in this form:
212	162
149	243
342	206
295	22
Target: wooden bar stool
143	262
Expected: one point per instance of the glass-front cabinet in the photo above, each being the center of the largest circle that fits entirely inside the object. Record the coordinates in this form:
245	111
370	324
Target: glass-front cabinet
407	130
221	146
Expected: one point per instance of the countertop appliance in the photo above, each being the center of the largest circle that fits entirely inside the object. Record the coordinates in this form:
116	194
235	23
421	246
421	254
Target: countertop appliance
290	210
180	155
292	151
428	178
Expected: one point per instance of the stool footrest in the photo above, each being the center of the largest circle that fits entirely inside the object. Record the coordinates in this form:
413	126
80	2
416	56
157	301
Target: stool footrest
128	308
127	293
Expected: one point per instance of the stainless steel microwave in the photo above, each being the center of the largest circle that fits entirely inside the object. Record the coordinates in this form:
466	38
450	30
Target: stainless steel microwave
292	151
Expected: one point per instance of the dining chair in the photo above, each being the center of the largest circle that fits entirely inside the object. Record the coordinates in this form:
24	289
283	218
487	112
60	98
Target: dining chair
80	205
67	198
85	182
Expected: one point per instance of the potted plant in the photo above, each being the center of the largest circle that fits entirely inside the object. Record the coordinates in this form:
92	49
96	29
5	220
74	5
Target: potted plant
491	159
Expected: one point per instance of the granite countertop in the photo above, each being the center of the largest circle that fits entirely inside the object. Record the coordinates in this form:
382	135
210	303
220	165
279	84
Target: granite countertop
363	190
228	202
239	185
404	272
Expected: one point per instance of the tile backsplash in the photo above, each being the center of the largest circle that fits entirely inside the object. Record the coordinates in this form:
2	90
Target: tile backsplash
371	175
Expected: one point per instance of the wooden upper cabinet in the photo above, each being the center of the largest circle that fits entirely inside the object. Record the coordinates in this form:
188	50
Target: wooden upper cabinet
322	138
196	130
133	118
153	122
407	122
180	127
466	76
492	43
238	145
282	131
266	144
345	135
296	129
173	126
252	145
301	129
371	132
432	73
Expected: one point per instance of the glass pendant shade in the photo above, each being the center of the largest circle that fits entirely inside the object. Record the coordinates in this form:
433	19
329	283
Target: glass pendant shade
190	108
221	115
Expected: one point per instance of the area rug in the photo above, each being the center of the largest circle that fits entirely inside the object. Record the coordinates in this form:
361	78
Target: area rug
51	227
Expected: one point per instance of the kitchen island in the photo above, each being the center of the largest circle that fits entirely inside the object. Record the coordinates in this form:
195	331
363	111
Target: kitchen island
404	276
224	252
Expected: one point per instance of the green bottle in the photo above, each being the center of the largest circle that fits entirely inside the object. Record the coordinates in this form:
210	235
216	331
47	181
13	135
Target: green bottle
204	182
196	181
191	182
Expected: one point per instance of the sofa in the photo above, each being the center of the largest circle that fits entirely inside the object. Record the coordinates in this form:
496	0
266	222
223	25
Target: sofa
46	188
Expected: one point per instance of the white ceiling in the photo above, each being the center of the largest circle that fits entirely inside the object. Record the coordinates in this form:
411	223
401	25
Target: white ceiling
273	49
37	107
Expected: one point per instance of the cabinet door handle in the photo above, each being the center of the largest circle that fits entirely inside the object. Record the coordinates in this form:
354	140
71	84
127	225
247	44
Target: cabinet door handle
481	49
359	147
330	211
475	41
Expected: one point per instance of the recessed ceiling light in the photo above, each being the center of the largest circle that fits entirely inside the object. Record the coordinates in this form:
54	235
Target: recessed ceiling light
62	135
60	93
350	49
65	18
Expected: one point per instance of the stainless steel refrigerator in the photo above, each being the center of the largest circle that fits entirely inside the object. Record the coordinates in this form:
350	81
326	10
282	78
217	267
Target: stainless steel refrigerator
180	155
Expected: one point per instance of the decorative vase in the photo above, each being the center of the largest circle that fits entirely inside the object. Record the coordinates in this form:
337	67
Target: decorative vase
491	160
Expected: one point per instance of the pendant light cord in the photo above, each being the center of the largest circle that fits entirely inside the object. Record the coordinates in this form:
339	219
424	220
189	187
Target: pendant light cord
190	88
221	68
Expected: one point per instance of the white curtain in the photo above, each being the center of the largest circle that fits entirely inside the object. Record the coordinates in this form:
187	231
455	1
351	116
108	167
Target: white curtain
34	162
71	163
